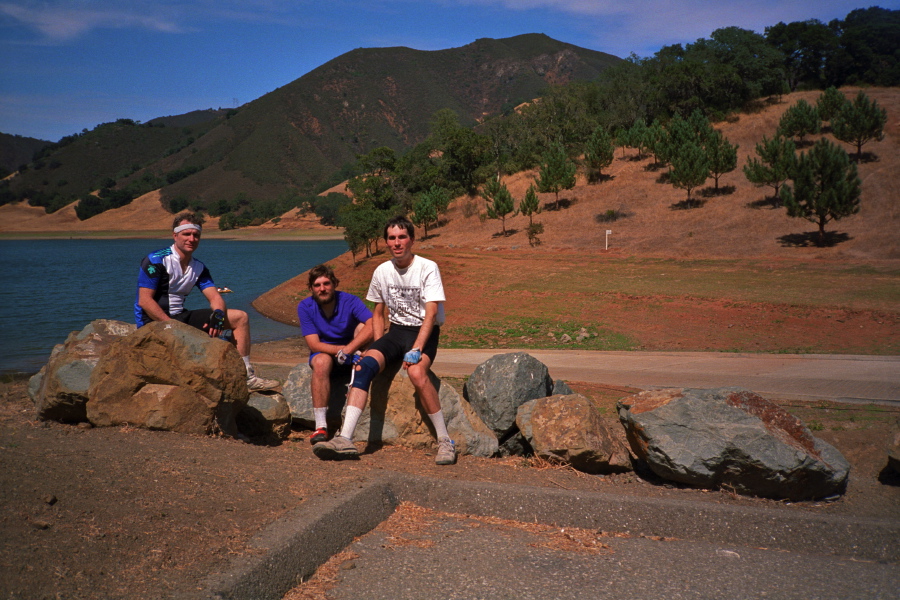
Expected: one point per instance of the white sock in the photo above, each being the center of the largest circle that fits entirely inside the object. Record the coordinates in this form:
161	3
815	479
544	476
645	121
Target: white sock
351	416
320	417
247	364
440	428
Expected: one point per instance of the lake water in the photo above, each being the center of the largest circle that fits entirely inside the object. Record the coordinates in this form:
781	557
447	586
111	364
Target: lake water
53	287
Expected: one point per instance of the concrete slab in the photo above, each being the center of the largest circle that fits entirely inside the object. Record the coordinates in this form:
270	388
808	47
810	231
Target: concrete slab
708	547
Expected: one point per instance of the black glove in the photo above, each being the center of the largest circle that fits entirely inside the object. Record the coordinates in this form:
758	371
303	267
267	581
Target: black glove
217	320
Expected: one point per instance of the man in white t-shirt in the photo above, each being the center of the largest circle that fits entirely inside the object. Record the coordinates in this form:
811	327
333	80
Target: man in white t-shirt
408	293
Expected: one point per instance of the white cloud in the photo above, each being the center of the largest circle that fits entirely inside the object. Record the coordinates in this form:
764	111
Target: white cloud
63	21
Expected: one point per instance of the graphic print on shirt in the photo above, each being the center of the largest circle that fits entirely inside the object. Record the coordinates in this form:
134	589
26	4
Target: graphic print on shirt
405	300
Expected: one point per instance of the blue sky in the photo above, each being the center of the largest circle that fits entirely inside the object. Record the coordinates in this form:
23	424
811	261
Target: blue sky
68	65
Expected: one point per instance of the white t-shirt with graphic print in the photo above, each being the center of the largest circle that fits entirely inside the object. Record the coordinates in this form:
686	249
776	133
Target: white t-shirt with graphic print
405	291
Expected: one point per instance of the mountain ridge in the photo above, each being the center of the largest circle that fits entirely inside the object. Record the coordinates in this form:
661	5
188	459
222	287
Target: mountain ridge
293	139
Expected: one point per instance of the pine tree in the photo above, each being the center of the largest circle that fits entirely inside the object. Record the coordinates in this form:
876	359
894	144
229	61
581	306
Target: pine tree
530	206
557	173
500	201
722	155
860	122
690	168
656	136
826	187
830	104
598	153
777	157
637	136
798	121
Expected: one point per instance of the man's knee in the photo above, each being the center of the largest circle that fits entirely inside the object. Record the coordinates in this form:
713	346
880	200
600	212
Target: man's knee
237	318
418	374
366	371
321	364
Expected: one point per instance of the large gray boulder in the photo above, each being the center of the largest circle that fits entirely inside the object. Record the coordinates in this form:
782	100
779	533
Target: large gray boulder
60	390
731	437
568	428
169	376
501	384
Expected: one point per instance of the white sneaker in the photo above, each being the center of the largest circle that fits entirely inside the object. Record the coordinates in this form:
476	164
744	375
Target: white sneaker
446	453
258	384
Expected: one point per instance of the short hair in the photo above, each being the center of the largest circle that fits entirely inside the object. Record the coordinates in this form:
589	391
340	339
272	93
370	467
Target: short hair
189	217
401	221
322	271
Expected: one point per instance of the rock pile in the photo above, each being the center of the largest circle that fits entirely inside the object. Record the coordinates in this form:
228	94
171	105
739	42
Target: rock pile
170	376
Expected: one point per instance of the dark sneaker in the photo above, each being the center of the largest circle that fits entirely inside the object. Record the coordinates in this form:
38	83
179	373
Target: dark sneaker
319	435
339	448
446	454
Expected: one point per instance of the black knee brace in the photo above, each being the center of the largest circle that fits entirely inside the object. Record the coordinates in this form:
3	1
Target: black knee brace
368	369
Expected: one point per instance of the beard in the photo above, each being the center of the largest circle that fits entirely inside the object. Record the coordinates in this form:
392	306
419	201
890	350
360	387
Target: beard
323	301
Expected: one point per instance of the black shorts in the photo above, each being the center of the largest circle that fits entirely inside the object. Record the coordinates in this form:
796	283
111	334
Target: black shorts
399	340
195	318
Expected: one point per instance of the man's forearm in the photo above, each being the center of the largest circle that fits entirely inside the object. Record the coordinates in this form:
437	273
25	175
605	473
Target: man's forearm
427	325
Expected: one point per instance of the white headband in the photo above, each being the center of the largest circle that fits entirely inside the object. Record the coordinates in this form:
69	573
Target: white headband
187	226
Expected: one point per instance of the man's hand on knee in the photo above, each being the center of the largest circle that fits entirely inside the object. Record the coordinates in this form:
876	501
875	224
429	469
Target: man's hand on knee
412	357
343	359
216	323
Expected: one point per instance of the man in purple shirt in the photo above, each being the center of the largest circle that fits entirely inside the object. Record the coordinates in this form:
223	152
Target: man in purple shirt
335	325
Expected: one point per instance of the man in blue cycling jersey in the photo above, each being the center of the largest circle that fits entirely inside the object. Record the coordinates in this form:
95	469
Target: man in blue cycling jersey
335	326
166	278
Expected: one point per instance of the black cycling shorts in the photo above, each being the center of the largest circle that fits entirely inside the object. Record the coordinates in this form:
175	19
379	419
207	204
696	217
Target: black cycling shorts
399	340
195	318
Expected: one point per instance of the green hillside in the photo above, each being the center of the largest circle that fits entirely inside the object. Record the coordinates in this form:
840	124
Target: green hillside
294	139
17	150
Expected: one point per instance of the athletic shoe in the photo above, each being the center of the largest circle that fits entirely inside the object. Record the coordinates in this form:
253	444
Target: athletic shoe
258	384
319	435
446	454
339	448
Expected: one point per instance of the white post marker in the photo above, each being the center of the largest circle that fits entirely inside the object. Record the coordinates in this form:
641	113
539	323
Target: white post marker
608	231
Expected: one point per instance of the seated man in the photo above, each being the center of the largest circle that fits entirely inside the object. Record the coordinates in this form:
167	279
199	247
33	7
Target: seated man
408	293
335	325
167	277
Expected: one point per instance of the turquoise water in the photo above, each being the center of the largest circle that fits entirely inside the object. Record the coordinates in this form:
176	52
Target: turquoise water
53	287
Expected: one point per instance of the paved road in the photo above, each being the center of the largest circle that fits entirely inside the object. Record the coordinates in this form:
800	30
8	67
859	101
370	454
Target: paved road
845	378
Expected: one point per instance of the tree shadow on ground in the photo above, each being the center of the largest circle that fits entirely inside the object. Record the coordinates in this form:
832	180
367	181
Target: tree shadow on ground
663	178
431	236
688	204
810	239
600	178
509	232
867	157
562	204
770	202
654	166
711	192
